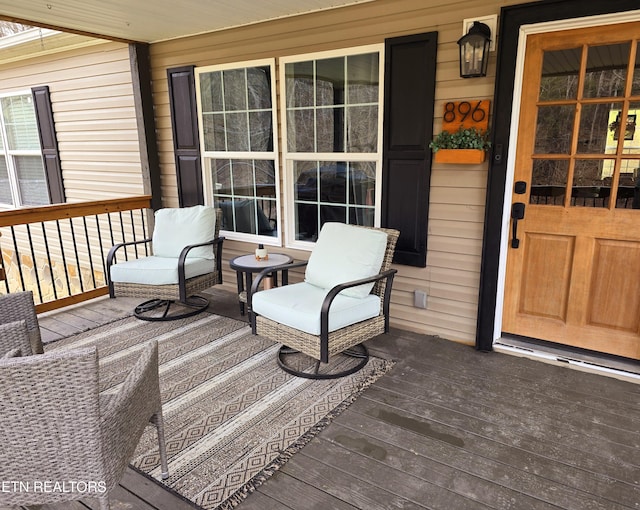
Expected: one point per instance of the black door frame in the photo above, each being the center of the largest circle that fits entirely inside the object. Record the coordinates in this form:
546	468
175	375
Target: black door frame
511	19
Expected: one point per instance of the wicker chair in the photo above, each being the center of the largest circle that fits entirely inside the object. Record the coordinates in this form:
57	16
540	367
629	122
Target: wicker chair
187	258
19	306
329	313
56	430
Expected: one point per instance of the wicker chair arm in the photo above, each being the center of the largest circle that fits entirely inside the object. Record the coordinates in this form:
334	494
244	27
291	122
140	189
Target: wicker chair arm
14	335
282	267
328	300
111	256
125	416
19	306
217	250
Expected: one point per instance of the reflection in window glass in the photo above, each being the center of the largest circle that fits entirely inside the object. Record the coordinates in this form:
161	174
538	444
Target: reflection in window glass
549	181
245	191
590	186
560	71
594	133
332	191
635	87
5	185
22	175
333	108
553	130
237	117
606	71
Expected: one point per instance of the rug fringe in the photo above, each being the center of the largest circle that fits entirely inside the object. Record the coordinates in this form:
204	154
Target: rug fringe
268	471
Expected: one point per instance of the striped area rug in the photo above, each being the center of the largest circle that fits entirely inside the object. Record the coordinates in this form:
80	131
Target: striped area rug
232	417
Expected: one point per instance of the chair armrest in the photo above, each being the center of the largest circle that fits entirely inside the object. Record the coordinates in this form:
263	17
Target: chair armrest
217	251
281	267
111	256
14	336
326	304
126	414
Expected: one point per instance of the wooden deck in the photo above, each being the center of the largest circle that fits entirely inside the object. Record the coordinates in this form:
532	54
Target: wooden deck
448	428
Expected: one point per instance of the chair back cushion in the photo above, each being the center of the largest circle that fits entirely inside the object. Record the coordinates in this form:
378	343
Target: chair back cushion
176	228
345	253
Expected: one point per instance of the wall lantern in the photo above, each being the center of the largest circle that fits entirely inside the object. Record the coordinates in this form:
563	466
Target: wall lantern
474	51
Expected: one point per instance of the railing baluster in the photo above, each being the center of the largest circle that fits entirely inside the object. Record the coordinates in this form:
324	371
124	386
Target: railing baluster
17	252
133	230
102	255
75	251
64	258
4	270
144	231
46	247
86	237
34	261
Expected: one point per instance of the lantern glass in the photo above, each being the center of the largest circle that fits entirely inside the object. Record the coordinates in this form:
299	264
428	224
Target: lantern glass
474	51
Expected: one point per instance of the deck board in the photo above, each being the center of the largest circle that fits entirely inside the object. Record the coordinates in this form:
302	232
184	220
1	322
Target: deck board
449	428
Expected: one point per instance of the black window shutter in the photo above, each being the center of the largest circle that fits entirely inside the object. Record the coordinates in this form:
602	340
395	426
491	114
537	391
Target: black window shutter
48	143
410	80
184	125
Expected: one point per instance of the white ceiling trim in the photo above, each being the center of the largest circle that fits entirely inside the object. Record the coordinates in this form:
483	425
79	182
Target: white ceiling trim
158	20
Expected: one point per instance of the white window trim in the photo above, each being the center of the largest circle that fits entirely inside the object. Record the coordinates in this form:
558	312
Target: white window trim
289	158
273	156
9	155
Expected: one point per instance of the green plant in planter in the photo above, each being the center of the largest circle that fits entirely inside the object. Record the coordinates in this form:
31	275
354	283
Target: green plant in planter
464	138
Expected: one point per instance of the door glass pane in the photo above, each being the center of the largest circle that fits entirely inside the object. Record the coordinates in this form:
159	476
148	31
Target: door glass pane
594	136
549	181
31	180
560	71
5	186
635	87
591	186
606	70
553	130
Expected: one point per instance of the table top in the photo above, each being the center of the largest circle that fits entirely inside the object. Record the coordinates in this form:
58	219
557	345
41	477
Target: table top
249	262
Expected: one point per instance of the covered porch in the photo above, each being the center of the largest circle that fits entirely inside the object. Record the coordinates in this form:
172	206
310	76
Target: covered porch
448	427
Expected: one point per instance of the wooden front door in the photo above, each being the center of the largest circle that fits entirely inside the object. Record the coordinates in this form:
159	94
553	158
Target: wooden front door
573	266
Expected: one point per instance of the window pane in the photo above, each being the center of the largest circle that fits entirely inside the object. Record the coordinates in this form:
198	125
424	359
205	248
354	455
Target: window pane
554	129
234	90
330	82
31	180
590	188
560	71
245	191
259	88
362	133
362	78
330	130
237	131
20	123
549	182
299	86
211	92
635	88
362	183
593	135
606	70
301	131
260	131
5	185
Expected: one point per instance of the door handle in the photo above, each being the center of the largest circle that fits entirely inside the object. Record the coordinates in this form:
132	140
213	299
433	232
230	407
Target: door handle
517	213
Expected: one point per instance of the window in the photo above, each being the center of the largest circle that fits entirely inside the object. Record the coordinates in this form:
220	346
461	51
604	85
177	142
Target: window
333	127
238	137
22	175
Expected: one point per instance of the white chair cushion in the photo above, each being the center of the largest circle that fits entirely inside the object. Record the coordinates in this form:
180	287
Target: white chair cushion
298	306
158	270
345	253
176	228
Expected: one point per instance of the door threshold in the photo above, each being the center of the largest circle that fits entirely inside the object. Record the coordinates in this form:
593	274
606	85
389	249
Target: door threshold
619	369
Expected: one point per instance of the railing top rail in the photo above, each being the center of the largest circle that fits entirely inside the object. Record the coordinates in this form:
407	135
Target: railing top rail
62	211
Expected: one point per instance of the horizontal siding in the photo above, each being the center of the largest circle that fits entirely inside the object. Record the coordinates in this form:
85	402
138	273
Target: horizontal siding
93	108
451	278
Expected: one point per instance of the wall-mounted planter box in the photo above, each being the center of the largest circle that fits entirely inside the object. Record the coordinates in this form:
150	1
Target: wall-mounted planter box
460	156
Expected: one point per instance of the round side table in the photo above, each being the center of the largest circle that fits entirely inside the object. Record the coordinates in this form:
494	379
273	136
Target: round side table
246	265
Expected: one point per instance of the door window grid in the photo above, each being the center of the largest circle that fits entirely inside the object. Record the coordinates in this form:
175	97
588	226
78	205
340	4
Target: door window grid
586	129
22	176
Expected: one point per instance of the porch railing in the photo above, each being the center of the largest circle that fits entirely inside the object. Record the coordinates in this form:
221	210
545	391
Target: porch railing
59	251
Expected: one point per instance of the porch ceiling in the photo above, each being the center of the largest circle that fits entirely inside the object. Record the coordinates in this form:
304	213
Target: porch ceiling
153	21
